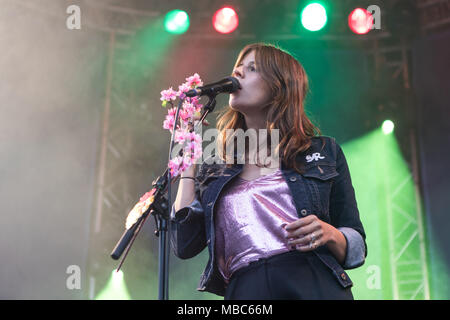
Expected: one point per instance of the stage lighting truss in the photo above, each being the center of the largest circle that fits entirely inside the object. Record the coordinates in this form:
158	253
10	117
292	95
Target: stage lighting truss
434	15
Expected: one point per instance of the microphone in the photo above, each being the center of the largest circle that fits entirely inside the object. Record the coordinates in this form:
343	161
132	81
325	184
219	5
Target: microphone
226	85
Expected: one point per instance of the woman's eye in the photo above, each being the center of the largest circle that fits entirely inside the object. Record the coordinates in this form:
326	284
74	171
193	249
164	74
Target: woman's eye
251	68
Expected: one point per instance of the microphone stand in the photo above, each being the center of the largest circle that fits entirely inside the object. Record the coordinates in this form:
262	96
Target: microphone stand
160	208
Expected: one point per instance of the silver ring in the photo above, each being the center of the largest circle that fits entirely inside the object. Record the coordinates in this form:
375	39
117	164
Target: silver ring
310	244
313	237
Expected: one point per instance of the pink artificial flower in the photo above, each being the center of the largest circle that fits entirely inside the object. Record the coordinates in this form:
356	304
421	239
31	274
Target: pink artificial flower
182	90
169	122
192	142
198	152
187	162
194	146
194	100
172	112
185	115
169	94
174	166
189	108
193	137
180	137
194	81
197	138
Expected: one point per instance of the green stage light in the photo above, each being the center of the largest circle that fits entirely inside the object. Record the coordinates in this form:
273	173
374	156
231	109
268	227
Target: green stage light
314	17
115	289
387	127
389	206
176	21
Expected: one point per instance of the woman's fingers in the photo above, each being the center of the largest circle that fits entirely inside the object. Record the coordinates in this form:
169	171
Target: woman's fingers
305	234
306	244
312	245
300	222
314	225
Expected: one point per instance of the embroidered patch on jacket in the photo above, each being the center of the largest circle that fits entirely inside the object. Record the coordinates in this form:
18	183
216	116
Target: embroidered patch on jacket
315	156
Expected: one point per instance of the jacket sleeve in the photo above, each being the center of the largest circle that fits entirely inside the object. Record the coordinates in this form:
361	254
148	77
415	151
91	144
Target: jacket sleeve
344	213
187	226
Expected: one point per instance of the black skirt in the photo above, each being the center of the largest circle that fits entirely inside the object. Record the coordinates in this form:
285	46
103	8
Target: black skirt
292	275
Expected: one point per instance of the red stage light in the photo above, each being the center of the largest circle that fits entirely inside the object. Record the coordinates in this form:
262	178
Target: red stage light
360	21
225	20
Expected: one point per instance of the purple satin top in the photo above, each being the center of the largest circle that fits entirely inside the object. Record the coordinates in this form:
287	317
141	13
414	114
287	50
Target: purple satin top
249	221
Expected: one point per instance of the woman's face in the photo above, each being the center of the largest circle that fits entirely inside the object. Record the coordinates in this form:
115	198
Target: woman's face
254	94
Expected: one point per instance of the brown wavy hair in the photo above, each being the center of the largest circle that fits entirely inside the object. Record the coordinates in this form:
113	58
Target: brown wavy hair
288	83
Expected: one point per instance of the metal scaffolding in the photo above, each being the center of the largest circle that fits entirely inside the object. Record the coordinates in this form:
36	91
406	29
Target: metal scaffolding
405	219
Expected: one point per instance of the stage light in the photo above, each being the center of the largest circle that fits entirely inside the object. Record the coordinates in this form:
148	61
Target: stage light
387	127
314	17
115	288
117	276
225	20
360	21
176	21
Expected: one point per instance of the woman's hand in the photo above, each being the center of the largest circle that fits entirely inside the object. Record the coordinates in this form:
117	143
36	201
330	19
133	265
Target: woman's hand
310	232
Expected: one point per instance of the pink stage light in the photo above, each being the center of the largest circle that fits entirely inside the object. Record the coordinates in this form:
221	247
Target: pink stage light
225	20
360	21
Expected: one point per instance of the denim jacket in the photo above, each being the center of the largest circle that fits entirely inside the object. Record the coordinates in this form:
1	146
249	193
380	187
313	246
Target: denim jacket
323	189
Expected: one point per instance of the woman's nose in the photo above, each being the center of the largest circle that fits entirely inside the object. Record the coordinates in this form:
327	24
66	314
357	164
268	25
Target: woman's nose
237	73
